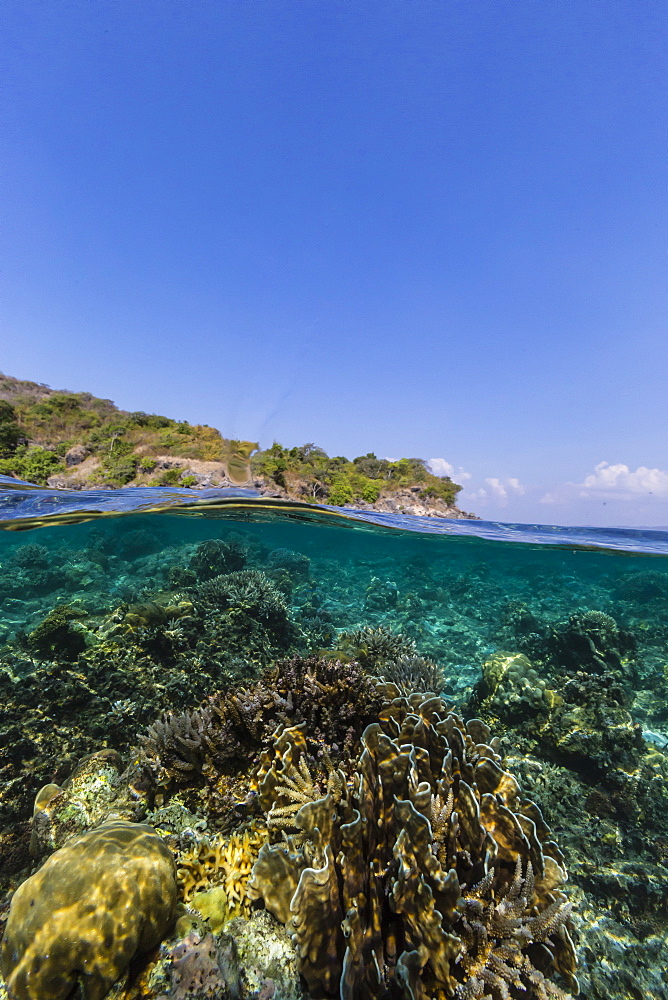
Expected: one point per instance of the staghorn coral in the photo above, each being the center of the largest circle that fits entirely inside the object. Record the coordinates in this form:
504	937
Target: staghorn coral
94	904
426	876
175	747
250	589
215	743
251	611
31	556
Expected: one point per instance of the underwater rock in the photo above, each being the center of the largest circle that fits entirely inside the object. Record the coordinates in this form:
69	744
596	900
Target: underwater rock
252	959
268	961
215	557
83	801
431	874
197	970
94	904
591	640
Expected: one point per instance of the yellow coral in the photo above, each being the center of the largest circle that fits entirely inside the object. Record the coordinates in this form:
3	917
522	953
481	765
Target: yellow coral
222	861
94	904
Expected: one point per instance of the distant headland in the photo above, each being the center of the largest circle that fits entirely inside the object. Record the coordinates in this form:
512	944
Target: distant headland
74	440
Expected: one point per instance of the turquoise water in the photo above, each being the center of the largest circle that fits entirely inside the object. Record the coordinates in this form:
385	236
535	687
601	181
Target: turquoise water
555	637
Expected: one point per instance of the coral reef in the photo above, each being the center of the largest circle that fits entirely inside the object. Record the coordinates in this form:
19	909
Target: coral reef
57	635
430	876
511	689
83	801
373	647
227	651
252	613
217	556
221	862
414	673
591	640
91	907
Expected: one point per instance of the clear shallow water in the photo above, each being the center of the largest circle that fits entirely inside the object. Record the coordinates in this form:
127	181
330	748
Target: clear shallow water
581	615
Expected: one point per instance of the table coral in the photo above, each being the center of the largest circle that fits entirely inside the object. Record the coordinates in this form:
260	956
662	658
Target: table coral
427	876
94	904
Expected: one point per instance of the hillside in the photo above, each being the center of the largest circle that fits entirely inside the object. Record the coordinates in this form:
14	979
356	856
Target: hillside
75	440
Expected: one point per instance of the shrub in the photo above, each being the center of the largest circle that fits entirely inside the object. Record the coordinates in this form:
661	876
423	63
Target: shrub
170	477
32	464
341	491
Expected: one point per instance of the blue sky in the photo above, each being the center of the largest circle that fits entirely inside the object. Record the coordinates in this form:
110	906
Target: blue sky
433	228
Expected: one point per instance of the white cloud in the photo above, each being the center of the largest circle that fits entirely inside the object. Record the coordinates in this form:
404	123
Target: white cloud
500	488
497	490
618	479
439	467
614	482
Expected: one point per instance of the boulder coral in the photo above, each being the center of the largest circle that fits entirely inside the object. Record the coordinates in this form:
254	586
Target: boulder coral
426	876
92	906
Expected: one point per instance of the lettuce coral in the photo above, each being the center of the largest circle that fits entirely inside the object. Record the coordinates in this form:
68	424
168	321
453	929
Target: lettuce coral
427	876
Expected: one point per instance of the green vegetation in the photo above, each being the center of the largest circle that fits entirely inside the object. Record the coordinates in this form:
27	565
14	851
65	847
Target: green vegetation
32	464
309	472
38	427
124	444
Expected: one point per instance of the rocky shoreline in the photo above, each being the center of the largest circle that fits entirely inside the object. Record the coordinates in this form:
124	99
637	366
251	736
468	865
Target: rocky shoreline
207	475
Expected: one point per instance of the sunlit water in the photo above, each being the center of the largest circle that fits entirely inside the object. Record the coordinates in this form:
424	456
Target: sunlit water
461	591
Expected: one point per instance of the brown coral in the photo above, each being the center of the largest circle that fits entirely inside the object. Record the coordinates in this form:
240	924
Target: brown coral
91	907
430	876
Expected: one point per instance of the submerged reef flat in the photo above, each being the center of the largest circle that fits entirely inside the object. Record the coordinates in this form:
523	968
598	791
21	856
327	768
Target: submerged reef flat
363	765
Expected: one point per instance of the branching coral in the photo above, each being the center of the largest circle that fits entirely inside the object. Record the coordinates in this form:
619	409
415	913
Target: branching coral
248	588
373	647
335	700
414	673
426	876
225	862
176	746
251	612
